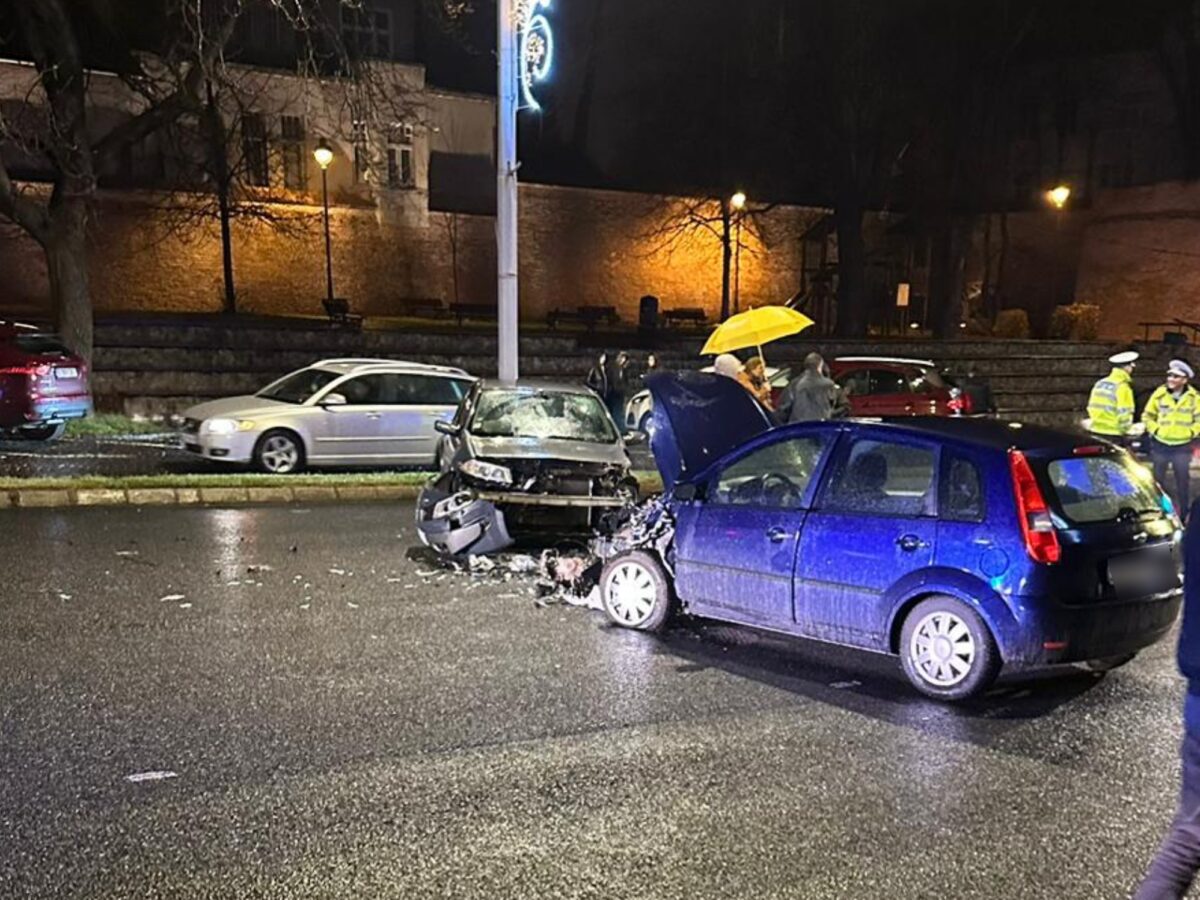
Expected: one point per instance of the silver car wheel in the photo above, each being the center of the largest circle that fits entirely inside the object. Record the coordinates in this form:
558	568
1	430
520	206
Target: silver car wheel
279	454
942	649
630	594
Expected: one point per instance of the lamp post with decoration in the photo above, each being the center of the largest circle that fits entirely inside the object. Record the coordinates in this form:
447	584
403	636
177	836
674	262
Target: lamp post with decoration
525	48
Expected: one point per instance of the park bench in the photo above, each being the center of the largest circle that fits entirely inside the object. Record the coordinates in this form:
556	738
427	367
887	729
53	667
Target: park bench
589	316
1172	331
338	310
689	315
462	311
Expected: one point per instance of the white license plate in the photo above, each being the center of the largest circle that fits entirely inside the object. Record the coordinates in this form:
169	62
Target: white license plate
66	372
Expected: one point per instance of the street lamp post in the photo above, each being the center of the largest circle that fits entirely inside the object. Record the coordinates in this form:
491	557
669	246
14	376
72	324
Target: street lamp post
323	154
525	53
738	203
1057	197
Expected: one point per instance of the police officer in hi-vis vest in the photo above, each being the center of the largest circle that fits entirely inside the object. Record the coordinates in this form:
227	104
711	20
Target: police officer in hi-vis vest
1111	405
1172	417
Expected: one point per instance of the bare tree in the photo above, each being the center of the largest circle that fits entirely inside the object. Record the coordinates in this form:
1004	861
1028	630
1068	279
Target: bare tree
72	142
174	77
684	221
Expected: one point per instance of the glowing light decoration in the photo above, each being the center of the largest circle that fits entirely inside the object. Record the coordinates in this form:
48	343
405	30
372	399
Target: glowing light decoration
537	48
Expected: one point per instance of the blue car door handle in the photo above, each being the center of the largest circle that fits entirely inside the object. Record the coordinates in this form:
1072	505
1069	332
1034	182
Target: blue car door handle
777	535
909	542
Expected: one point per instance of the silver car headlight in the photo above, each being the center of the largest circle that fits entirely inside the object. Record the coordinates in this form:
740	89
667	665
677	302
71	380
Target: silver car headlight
486	471
227	426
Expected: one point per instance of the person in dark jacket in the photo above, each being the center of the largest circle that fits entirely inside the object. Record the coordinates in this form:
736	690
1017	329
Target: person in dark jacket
1178	859
618	384
597	377
813	396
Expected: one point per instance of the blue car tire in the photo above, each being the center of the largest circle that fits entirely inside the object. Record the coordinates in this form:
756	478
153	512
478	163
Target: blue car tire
947	650
635	591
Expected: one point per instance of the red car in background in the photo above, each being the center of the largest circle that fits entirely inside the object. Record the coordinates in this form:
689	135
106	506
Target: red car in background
886	386
42	384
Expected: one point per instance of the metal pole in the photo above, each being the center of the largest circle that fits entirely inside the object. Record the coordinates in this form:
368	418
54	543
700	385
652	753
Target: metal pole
328	255
737	269
506	192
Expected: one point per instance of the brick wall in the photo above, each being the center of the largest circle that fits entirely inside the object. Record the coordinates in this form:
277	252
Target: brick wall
577	247
1141	257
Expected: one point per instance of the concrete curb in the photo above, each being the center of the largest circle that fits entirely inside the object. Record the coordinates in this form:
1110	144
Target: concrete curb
199	495
43	498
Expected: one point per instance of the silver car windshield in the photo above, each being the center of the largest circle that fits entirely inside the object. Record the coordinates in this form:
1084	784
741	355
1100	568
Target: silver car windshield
542	414
299	387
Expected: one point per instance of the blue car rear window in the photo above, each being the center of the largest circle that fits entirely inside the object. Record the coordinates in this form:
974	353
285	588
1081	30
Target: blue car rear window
1102	488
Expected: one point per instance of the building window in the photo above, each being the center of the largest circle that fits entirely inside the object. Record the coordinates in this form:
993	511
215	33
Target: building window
295	159
400	172
254	149
362	151
367	31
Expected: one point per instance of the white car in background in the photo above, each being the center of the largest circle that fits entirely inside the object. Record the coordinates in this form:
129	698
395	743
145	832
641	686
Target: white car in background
336	412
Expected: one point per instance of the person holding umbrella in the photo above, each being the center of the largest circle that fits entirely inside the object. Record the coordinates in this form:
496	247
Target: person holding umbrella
753	378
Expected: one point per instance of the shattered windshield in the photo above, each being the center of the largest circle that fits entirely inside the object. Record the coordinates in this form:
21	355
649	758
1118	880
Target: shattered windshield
298	387
543	414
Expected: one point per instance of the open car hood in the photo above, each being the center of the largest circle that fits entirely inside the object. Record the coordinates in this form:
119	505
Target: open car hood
698	418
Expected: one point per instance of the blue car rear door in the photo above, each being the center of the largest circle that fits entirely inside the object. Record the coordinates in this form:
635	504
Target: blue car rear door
872	525
736	548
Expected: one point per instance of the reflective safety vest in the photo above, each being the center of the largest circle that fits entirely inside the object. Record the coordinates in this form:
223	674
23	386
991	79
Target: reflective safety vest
1173	421
1110	407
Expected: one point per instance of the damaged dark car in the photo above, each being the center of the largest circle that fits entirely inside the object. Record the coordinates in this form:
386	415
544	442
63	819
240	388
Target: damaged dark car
519	460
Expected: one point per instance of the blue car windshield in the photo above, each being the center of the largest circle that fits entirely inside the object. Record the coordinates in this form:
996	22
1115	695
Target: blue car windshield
1094	489
542	414
299	387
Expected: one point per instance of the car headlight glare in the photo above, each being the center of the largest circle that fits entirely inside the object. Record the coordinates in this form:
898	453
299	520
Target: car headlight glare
228	426
486	471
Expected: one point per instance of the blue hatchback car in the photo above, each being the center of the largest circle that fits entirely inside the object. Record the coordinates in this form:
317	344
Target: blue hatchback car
961	545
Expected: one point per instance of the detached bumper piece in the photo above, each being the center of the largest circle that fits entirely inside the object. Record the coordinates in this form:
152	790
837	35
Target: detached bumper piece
458	523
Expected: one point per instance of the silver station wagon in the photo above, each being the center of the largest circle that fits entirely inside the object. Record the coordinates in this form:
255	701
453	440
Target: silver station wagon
337	412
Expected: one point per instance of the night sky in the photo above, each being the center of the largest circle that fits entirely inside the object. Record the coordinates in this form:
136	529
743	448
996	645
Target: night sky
700	95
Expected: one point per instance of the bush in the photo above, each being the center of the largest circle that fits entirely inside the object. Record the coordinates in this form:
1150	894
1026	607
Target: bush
1011	323
1077	322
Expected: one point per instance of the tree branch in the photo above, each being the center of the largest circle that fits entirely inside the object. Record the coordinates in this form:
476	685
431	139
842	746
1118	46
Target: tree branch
157	115
27	214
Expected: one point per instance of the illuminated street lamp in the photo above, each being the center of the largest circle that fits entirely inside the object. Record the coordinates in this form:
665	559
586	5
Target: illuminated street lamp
1058	196
323	154
737	203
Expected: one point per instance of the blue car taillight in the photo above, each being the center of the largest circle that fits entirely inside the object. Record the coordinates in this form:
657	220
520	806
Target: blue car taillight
1037	528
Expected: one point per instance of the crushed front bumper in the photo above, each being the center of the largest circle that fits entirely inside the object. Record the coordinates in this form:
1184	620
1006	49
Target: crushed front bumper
473	521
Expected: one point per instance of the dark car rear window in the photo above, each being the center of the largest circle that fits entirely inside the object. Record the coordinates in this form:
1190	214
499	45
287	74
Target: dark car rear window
42	345
1094	489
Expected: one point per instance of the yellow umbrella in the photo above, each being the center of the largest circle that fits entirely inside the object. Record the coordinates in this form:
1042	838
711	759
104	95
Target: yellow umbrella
755	327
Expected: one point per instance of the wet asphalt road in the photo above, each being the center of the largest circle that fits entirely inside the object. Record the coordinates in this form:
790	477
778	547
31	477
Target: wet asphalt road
352	723
142	455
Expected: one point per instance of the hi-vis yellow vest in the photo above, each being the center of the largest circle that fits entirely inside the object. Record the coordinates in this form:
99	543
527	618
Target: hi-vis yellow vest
1110	407
1173	421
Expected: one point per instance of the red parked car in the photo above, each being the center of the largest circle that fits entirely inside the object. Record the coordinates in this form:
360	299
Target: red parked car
884	386
42	384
